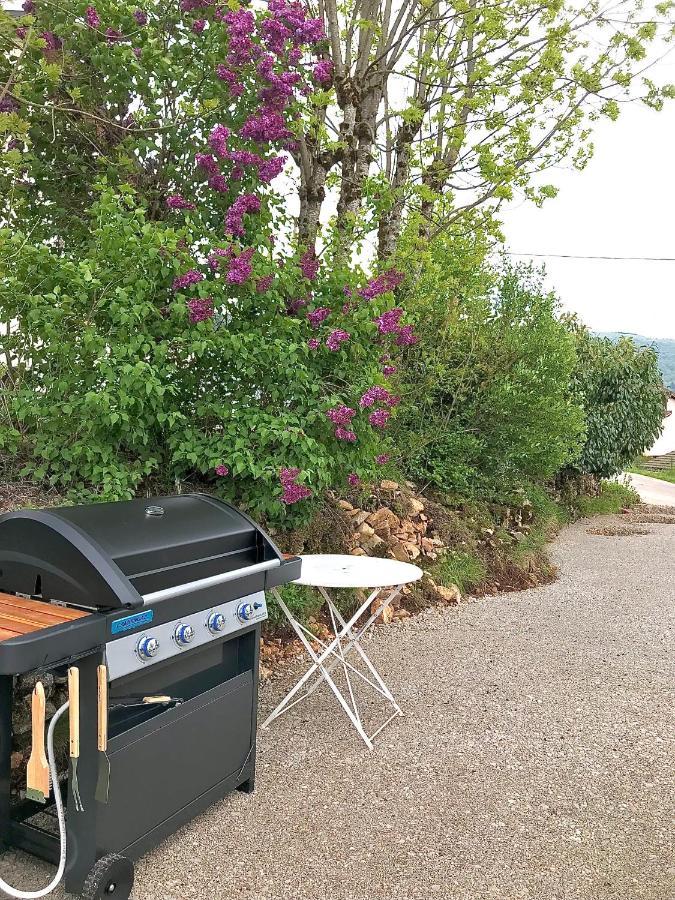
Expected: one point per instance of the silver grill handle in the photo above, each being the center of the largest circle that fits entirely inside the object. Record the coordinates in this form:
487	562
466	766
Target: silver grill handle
189	586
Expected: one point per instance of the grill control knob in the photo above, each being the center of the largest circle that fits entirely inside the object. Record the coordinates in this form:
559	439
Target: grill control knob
216	622
184	635
147	647
245	612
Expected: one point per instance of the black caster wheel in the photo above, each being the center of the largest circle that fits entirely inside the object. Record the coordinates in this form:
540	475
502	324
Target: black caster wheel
112	876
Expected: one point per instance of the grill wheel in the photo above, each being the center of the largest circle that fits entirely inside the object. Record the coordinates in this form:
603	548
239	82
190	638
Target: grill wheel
111	879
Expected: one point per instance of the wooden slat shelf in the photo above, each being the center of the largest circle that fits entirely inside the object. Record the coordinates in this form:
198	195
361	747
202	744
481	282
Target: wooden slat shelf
21	616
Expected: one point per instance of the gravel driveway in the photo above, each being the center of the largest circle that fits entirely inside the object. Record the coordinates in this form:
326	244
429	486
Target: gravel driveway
535	759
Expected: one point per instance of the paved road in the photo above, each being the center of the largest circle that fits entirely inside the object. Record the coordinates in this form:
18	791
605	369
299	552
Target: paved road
653	490
535	761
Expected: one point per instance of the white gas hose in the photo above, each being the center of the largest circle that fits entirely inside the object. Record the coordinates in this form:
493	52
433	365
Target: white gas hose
30	895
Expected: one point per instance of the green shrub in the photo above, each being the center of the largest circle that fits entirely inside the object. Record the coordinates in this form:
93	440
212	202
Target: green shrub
487	403
466	570
613	497
620	388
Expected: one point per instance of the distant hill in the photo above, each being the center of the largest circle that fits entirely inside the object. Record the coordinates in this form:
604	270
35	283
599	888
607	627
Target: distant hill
664	347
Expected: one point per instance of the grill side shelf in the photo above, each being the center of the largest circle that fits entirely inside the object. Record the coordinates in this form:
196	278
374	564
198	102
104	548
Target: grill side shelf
47	645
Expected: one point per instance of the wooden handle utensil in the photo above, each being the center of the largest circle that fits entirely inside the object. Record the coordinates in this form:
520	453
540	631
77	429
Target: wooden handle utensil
37	774
102	693
74	726
103	782
74	714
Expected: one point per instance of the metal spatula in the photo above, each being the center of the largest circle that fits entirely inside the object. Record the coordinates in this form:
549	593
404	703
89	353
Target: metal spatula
103	783
74	722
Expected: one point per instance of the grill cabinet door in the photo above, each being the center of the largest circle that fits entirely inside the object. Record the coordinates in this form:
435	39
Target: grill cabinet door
160	766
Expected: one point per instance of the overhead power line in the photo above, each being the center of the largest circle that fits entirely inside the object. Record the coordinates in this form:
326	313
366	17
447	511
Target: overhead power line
581	256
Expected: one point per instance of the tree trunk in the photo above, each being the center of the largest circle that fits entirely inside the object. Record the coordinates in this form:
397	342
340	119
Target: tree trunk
358	136
312	196
391	221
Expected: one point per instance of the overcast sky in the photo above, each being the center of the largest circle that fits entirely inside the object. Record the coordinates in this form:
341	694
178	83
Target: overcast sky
622	204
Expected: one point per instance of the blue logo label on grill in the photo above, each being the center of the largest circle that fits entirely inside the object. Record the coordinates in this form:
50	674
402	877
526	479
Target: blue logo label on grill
128	623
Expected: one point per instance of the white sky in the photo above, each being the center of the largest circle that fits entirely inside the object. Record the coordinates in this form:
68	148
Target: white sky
622	204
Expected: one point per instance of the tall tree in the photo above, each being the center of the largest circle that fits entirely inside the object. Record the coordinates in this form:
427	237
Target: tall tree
438	107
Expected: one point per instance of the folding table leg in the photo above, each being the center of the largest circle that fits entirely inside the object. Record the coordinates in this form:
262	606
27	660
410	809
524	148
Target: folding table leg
355	642
318	661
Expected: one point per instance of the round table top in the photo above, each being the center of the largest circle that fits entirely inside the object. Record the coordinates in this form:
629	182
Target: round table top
343	571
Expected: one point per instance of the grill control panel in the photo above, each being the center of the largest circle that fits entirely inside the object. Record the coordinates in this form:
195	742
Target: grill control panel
145	648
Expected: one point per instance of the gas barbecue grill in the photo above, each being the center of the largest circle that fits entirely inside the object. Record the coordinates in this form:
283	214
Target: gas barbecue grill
168	593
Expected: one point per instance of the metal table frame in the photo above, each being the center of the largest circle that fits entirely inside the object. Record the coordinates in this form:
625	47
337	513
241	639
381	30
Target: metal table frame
334	654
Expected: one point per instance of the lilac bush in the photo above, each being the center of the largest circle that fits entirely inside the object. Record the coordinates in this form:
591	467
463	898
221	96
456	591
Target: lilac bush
162	317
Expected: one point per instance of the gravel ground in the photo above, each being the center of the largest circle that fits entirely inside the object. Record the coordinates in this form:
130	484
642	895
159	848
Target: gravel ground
535	758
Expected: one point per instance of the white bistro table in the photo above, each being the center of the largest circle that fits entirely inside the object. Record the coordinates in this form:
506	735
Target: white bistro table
386	577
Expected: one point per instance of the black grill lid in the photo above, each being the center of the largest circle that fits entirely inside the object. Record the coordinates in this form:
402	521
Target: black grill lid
107	555
147	535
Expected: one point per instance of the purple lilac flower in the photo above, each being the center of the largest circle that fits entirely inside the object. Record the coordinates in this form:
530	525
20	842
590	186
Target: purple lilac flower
8	105
388	322
292	492
347	308
345	434
222	470
112	35
313	343
312	32
275	34
218	140
379	418
335	338
293	306
309	264
240	22
353	479
240	267
382	459
92	17
387	281
288	476
279	91
137	52
323	71
141	17
264	284
198	26
270	168
231	79
406	338
175	201
318	316
200	310
341	415
52	41
240	26
246	203
346	290
218	183
21	32
389	370
265	126
183	281
207	162
377	394
28	6
216	254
